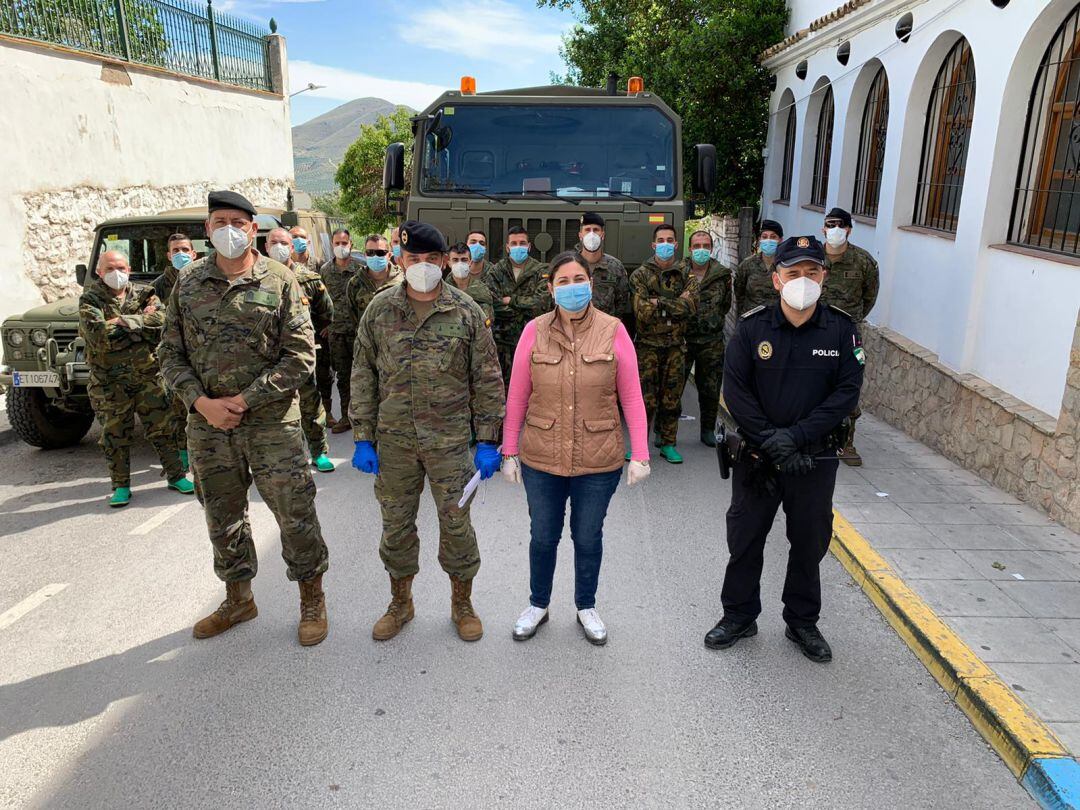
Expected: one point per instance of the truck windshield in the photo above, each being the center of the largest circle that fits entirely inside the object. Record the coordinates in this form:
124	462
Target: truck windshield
568	151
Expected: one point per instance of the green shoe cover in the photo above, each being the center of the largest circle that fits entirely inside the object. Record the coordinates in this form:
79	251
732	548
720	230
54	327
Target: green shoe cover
323	464
669	452
182	485
121	496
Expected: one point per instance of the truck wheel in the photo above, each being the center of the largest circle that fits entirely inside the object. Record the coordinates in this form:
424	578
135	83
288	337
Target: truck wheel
39	423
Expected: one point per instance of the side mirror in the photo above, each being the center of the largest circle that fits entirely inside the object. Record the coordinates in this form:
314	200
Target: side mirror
80	274
704	169
393	173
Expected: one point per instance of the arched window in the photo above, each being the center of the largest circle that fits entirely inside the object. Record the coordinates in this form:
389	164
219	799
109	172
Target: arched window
823	151
945	141
789	153
875	126
1046	209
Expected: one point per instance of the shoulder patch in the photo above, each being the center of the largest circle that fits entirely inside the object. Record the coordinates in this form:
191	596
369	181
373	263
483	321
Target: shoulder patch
753	311
835	308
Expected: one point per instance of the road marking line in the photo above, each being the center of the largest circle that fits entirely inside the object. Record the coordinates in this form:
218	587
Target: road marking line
13	614
153	522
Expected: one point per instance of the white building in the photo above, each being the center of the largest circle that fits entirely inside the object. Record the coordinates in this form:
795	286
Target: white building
951	130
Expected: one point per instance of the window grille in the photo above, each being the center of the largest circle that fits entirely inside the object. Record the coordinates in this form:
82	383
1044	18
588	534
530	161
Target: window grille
823	151
789	154
871	160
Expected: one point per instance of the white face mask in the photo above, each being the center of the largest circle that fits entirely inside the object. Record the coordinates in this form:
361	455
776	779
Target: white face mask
836	237
424	276
591	241
801	293
116	279
230	242
279	252
460	269
342	251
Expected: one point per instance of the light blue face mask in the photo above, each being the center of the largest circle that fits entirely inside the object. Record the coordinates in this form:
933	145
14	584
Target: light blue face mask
665	251
768	246
574	297
180	260
376	264
519	254
477	251
299	244
396	251
700	255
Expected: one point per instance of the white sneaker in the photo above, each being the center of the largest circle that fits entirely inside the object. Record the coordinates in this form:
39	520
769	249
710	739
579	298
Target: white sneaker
529	622
591	623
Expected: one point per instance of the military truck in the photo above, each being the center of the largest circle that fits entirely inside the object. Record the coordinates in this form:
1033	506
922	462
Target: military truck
539	157
44	365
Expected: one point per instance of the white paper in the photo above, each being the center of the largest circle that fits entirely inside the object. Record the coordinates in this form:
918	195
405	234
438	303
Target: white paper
470	488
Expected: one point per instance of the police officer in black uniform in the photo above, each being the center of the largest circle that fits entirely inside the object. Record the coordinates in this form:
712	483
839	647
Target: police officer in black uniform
792	373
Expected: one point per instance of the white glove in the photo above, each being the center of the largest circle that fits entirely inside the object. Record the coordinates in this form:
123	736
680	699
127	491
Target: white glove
636	472
511	470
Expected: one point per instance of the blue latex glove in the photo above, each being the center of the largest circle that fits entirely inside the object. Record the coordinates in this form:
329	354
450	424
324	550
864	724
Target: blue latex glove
487	459
365	459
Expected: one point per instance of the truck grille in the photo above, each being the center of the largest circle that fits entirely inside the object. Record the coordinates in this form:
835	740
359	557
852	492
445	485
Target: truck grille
562	230
64	337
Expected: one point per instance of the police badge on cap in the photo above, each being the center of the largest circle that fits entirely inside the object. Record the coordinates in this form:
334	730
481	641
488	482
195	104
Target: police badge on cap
797	249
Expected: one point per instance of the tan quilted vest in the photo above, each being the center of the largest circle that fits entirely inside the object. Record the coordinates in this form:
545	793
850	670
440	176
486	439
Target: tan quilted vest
572	424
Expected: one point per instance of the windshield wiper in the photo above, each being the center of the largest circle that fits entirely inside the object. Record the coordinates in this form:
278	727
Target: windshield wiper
476	191
553	196
641	200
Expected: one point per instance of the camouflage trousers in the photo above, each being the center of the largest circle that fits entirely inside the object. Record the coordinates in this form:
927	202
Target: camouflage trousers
506	350
225	462
179	413
116	402
708	362
663	376
313	418
398	487
333	364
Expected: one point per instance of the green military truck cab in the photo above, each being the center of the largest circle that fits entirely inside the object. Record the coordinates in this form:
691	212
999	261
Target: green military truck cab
539	157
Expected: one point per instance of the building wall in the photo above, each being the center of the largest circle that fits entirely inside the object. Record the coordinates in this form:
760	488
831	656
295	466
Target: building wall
86	139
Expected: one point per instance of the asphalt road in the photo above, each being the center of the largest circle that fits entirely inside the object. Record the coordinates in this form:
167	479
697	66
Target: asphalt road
107	701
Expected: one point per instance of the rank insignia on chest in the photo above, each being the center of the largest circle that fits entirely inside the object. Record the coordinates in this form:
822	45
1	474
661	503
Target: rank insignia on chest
262	297
764	350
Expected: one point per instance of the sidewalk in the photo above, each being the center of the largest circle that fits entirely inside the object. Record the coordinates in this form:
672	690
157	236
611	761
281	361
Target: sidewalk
1001	575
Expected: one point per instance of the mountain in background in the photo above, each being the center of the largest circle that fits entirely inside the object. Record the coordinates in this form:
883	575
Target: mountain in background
320	144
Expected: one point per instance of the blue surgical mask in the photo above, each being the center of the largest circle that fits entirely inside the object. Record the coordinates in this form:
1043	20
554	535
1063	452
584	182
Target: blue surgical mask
665	251
299	244
377	264
396	250
180	260
574	297
477	251
768	246
700	255
519	254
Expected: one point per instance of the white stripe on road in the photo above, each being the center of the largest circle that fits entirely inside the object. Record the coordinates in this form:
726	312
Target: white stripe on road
152	523
12	615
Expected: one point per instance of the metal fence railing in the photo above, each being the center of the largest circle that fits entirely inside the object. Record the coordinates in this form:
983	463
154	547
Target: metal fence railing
184	36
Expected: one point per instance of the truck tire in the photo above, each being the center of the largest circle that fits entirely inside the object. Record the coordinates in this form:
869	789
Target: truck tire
39	423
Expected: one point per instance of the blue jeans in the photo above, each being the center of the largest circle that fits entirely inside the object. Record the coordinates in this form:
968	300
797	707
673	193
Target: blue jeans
589	498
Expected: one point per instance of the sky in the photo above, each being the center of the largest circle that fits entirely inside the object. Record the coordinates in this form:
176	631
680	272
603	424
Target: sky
408	51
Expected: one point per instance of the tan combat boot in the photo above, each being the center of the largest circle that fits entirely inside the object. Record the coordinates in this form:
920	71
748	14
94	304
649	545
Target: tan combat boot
327	406
239	606
313	624
400	610
462	614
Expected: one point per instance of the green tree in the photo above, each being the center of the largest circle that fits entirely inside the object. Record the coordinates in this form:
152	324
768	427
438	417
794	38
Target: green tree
701	57
362	200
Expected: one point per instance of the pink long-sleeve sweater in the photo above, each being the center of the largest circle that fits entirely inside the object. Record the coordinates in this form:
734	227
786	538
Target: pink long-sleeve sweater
627	382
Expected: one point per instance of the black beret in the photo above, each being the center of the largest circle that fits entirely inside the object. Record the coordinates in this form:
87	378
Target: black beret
800	249
592	218
216	200
419	237
840	214
771	225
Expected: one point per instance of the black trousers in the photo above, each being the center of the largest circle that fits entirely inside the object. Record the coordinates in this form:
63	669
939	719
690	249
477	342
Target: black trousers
807	502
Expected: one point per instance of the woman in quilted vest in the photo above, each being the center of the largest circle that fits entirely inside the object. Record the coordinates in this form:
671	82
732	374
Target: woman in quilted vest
574	369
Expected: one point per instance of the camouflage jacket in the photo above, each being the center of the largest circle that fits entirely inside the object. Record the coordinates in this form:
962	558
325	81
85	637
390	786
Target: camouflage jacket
852	282
252	337
126	348
527	294
163	284
315	297
423	382
753	284
362	287
610	286
336	280
478	291
714	301
664	323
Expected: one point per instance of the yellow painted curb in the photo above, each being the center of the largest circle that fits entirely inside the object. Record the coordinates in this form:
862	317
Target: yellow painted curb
1004	721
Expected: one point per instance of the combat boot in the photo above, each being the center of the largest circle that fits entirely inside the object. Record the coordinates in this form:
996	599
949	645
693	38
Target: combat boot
239	606
313	623
400	610
850	456
462	614
327	405
344	423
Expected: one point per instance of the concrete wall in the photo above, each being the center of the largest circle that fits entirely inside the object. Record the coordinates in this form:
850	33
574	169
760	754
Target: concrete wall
86	139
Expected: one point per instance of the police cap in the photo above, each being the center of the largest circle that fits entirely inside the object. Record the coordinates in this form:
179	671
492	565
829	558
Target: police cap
771	225
592	218
419	237
840	214
217	200
800	249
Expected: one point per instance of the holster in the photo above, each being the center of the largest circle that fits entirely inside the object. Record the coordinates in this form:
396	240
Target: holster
730	448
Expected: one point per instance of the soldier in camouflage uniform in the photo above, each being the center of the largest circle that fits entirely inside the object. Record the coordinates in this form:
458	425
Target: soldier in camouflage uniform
181	253
425	368
321	308
754	275
238	344
479	265
339	338
610	283
705	334
518	286
121	324
851	285
470	281
664	298
365	283
301	249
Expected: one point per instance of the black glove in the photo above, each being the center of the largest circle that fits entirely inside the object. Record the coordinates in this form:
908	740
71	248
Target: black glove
778	445
797	464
